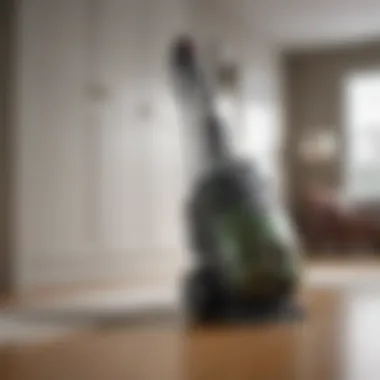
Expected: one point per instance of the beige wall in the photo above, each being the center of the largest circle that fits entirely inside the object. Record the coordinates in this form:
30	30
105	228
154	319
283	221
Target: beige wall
314	90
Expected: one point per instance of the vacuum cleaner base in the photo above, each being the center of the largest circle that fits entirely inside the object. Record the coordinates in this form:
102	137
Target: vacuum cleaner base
208	304
285	313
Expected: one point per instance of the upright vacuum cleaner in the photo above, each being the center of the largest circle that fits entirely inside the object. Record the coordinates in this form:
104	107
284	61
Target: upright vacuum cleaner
248	265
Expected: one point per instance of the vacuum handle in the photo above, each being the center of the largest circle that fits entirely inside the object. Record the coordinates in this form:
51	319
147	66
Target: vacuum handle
191	81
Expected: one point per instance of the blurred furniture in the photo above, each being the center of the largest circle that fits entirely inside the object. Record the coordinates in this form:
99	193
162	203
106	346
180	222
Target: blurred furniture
324	222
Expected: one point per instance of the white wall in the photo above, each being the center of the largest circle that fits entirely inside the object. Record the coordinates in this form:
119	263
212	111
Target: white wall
259	124
99	186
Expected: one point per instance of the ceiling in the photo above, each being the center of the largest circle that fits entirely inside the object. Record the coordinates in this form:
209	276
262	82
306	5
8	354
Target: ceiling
305	22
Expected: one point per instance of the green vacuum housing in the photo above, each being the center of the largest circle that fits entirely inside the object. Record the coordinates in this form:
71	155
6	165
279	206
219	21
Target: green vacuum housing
237	232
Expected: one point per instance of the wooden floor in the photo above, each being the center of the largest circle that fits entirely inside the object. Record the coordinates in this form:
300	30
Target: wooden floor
339	340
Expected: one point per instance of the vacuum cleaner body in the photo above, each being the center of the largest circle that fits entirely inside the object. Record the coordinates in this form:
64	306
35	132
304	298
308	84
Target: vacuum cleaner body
247	263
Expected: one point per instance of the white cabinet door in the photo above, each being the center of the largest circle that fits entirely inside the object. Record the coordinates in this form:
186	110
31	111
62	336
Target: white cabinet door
140	151
124	160
98	142
170	143
50	172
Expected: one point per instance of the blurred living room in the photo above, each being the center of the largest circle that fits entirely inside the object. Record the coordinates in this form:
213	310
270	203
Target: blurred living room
97	164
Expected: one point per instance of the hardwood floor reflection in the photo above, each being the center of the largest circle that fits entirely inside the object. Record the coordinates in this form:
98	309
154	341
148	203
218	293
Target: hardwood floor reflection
339	340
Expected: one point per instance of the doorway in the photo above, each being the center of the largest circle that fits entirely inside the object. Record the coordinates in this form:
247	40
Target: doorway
7	22
317	175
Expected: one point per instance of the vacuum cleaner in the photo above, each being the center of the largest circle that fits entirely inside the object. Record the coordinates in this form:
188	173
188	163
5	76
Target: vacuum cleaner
248	265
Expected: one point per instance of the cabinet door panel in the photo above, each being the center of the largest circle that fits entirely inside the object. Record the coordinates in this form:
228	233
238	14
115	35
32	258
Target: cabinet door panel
51	113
